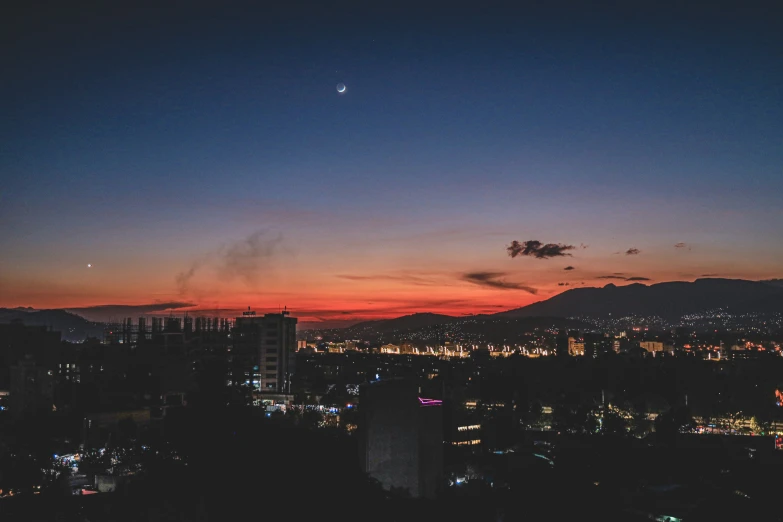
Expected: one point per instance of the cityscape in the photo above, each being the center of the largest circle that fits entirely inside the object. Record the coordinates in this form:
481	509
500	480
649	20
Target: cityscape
391	262
431	411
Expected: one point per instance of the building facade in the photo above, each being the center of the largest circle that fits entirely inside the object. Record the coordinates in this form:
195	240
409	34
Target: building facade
401	437
266	347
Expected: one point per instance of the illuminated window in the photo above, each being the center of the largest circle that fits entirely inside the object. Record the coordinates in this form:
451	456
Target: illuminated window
469	428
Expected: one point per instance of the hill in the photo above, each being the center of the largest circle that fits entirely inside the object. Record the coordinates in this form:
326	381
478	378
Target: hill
425	329
404	323
669	300
73	327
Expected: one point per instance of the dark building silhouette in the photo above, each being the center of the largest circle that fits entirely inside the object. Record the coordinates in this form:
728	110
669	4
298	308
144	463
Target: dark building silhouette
28	362
597	344
562	344
32	388
401	443
264	351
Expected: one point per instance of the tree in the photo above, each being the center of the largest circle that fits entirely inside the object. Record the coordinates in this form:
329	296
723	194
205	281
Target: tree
673	422
760	425
312	419
614	424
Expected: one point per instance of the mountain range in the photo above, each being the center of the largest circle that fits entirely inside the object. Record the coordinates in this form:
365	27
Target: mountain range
671	301
73	327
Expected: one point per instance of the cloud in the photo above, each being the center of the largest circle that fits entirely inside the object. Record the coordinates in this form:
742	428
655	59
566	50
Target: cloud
537	249
638	279
241	259
493	280
623	278
405	278
682	245
183	278
709	275
583	246
562	284
244	258
611	277
632	252
569	268
115	312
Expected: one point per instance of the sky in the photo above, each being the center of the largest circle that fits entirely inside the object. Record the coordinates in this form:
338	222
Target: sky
199	157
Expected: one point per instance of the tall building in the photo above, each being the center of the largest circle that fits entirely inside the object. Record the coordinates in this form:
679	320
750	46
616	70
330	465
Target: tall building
596	344
265	346
32	388
562	344
401	443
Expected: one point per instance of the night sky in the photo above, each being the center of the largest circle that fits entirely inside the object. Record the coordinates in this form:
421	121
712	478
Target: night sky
203	156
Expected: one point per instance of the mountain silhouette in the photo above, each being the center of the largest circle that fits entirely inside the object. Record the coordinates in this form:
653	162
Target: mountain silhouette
73	327
669	300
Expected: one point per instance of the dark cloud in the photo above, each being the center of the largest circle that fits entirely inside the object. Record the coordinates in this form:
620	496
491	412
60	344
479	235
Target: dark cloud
709	275
242	259
405	278
114	312
537	249
583	246
494	280
562	284
569	268
632	252
680	245
623	278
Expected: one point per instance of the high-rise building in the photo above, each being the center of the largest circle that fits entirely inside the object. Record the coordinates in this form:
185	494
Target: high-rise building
596	344
32	387
401	442
265	346
562	344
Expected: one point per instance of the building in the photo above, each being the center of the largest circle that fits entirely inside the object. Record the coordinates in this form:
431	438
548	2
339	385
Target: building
562	344
265	350
19	342
407	348
466	435
401	437
596	344
32	388
575	347
390	348
651	346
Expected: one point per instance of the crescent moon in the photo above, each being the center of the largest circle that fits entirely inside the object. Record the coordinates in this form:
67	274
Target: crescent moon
341	88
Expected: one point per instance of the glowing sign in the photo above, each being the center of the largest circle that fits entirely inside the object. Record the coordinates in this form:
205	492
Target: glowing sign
430	402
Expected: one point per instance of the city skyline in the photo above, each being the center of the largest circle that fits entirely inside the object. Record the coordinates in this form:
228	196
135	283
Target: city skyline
227	171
